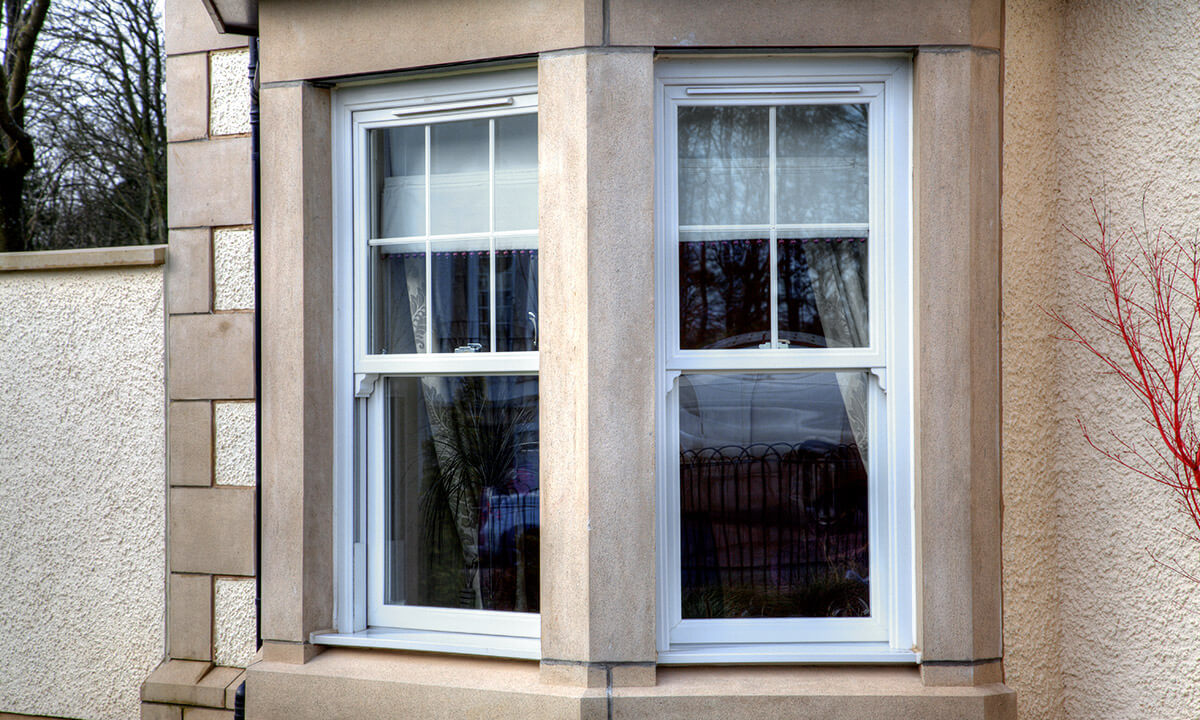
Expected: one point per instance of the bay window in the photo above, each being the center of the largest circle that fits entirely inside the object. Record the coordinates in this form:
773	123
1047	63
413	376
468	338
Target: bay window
785	474
784	314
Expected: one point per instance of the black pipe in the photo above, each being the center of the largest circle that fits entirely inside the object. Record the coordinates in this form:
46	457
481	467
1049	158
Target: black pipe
256	214
239	703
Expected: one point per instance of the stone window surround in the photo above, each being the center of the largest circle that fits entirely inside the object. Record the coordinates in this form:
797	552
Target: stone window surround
589	640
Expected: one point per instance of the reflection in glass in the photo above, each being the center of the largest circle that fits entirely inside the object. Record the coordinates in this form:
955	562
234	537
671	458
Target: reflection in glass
812	221
458	297
723	165
461	514
458	177
516	173
822	291
398	299
821	164
458	289
724	290
439	298
399	169
516	296
773	495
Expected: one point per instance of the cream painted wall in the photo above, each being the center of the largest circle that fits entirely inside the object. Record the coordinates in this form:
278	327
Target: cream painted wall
82	490
1101	99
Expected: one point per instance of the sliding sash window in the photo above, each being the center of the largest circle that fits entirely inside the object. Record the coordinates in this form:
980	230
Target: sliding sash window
445	510
784	264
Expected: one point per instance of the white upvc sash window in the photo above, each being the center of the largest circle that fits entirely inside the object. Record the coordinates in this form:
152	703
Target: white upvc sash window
437	364
785	323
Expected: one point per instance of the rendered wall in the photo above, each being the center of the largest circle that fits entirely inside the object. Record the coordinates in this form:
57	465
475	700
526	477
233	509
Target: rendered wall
1100	100
82	490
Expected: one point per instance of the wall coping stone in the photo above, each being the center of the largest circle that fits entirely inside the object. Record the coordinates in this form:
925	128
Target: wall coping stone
84	258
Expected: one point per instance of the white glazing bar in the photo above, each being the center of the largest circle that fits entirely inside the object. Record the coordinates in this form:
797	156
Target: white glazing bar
492	233
724	228
361	256
428	247
763	360
850	227
500	363
407	239
774	235
775	90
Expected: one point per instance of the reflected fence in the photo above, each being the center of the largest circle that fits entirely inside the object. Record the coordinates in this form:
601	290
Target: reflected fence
763	525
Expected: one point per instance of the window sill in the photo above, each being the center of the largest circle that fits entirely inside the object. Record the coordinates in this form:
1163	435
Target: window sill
458	643
364	684
796	653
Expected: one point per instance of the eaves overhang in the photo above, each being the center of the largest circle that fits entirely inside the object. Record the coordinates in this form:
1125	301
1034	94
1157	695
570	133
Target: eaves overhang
235	17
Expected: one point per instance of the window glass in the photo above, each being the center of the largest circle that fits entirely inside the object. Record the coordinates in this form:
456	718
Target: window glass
723	165
459	290
399	180
516	173
458	177
821	165
399	298
453	248
462	492
724	289
822	291
773	262
516	294
773	495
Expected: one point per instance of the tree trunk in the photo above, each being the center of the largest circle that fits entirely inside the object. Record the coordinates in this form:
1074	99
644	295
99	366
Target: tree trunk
12	215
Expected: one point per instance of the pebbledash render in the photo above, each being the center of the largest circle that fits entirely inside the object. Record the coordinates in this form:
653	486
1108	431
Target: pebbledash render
619	358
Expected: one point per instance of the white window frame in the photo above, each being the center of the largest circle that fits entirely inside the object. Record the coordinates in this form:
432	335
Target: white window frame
884	83
361	618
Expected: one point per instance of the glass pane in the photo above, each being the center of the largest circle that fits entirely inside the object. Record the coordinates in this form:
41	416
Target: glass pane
724	289
822	292
516	294
773	495
462	519
516	173
458	177
459	286
723	165
397	299
821	164
399	182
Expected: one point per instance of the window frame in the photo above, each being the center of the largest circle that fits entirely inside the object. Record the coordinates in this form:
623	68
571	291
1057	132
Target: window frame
884	83
360	376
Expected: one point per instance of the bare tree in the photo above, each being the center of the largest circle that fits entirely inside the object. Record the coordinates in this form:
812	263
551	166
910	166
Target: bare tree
100	120
22	23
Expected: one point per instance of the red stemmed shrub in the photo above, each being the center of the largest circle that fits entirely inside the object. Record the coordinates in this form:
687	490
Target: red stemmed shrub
1142	331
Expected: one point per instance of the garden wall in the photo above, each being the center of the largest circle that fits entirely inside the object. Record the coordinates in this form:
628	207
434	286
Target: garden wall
82	480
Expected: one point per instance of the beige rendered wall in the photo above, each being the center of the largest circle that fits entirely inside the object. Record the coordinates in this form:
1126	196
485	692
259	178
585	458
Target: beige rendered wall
1100	99
82	489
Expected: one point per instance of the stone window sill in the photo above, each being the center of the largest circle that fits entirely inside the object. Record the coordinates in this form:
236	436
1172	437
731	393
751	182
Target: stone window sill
366	683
